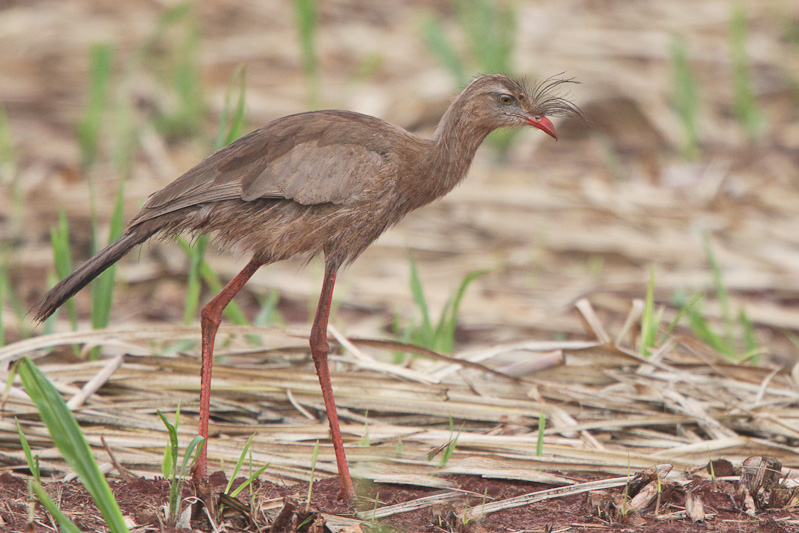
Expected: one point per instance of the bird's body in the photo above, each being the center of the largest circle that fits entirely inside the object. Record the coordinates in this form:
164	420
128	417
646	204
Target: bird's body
326	182
334	190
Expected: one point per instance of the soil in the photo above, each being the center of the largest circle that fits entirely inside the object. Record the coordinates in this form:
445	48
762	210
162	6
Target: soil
143	502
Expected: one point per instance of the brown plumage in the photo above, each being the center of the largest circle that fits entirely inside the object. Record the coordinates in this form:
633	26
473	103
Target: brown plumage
324	181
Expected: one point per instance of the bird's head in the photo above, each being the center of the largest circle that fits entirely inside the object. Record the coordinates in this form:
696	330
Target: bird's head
499	101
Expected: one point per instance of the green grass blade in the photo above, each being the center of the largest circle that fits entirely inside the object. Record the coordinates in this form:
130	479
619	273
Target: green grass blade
314	456
686	97
249	480
103	286
701	328
681	313
3	285
172	51
88	130
33	464
749	337
168	462
268	312
648	323
69	439
59	240
13	301
450	448
196	255
435	36
424	333
490	29
229	132
64	523
445	332
307	22
746	108
8	163
240	462
191	455
721	291
539	445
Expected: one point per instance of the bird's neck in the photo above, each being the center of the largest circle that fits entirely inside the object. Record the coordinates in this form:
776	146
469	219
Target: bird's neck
455	142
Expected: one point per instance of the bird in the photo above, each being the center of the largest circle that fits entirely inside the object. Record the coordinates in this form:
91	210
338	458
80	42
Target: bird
325	183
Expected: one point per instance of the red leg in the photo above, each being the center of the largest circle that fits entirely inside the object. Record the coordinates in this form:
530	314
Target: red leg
210	317
319	352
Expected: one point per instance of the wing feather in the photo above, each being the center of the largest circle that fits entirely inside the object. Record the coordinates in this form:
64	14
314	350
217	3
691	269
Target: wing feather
310	158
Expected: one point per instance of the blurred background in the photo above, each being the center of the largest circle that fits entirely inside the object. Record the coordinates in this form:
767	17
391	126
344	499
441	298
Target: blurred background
687	172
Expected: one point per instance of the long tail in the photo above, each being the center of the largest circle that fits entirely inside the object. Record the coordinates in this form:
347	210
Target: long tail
89	270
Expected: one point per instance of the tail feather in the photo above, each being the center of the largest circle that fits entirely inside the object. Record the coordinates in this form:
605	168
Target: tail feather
81	276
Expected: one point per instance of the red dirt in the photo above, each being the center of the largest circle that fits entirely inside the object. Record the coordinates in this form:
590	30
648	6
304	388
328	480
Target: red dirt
143	501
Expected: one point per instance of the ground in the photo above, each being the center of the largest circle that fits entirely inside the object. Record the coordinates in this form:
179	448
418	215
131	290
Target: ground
568	232
143	501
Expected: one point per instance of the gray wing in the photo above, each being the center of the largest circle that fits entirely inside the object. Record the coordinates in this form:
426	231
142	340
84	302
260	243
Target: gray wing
310	158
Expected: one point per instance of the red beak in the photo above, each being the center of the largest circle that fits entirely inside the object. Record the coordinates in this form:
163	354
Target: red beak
543	124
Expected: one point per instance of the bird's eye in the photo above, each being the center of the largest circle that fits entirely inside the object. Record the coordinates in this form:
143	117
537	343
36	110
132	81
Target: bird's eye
505	99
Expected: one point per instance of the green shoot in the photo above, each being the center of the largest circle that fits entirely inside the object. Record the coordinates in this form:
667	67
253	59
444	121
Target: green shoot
8	171
721	290
253	476
449	449
727	342
169	466
626	495
685	98
307	22
103	286
746	109
442	336
196	254
424	335
712	468
434	35
681	313
231	128
490	28
398	449
650	320
59	239
69	439
88	130
703	330
313	475
4	283
365	440
542	424
124	135
748	333
8	164
268	313
178	32
66	525
8	293
374	509
33	462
